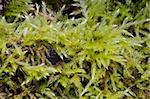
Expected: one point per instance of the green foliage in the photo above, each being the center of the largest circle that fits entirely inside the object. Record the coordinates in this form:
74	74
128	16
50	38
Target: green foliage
16	7
109	57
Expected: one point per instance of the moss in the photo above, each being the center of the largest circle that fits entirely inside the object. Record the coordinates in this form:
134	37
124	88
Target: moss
100	55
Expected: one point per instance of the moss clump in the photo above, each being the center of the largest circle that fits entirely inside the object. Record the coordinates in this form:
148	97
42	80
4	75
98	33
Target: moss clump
104	54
